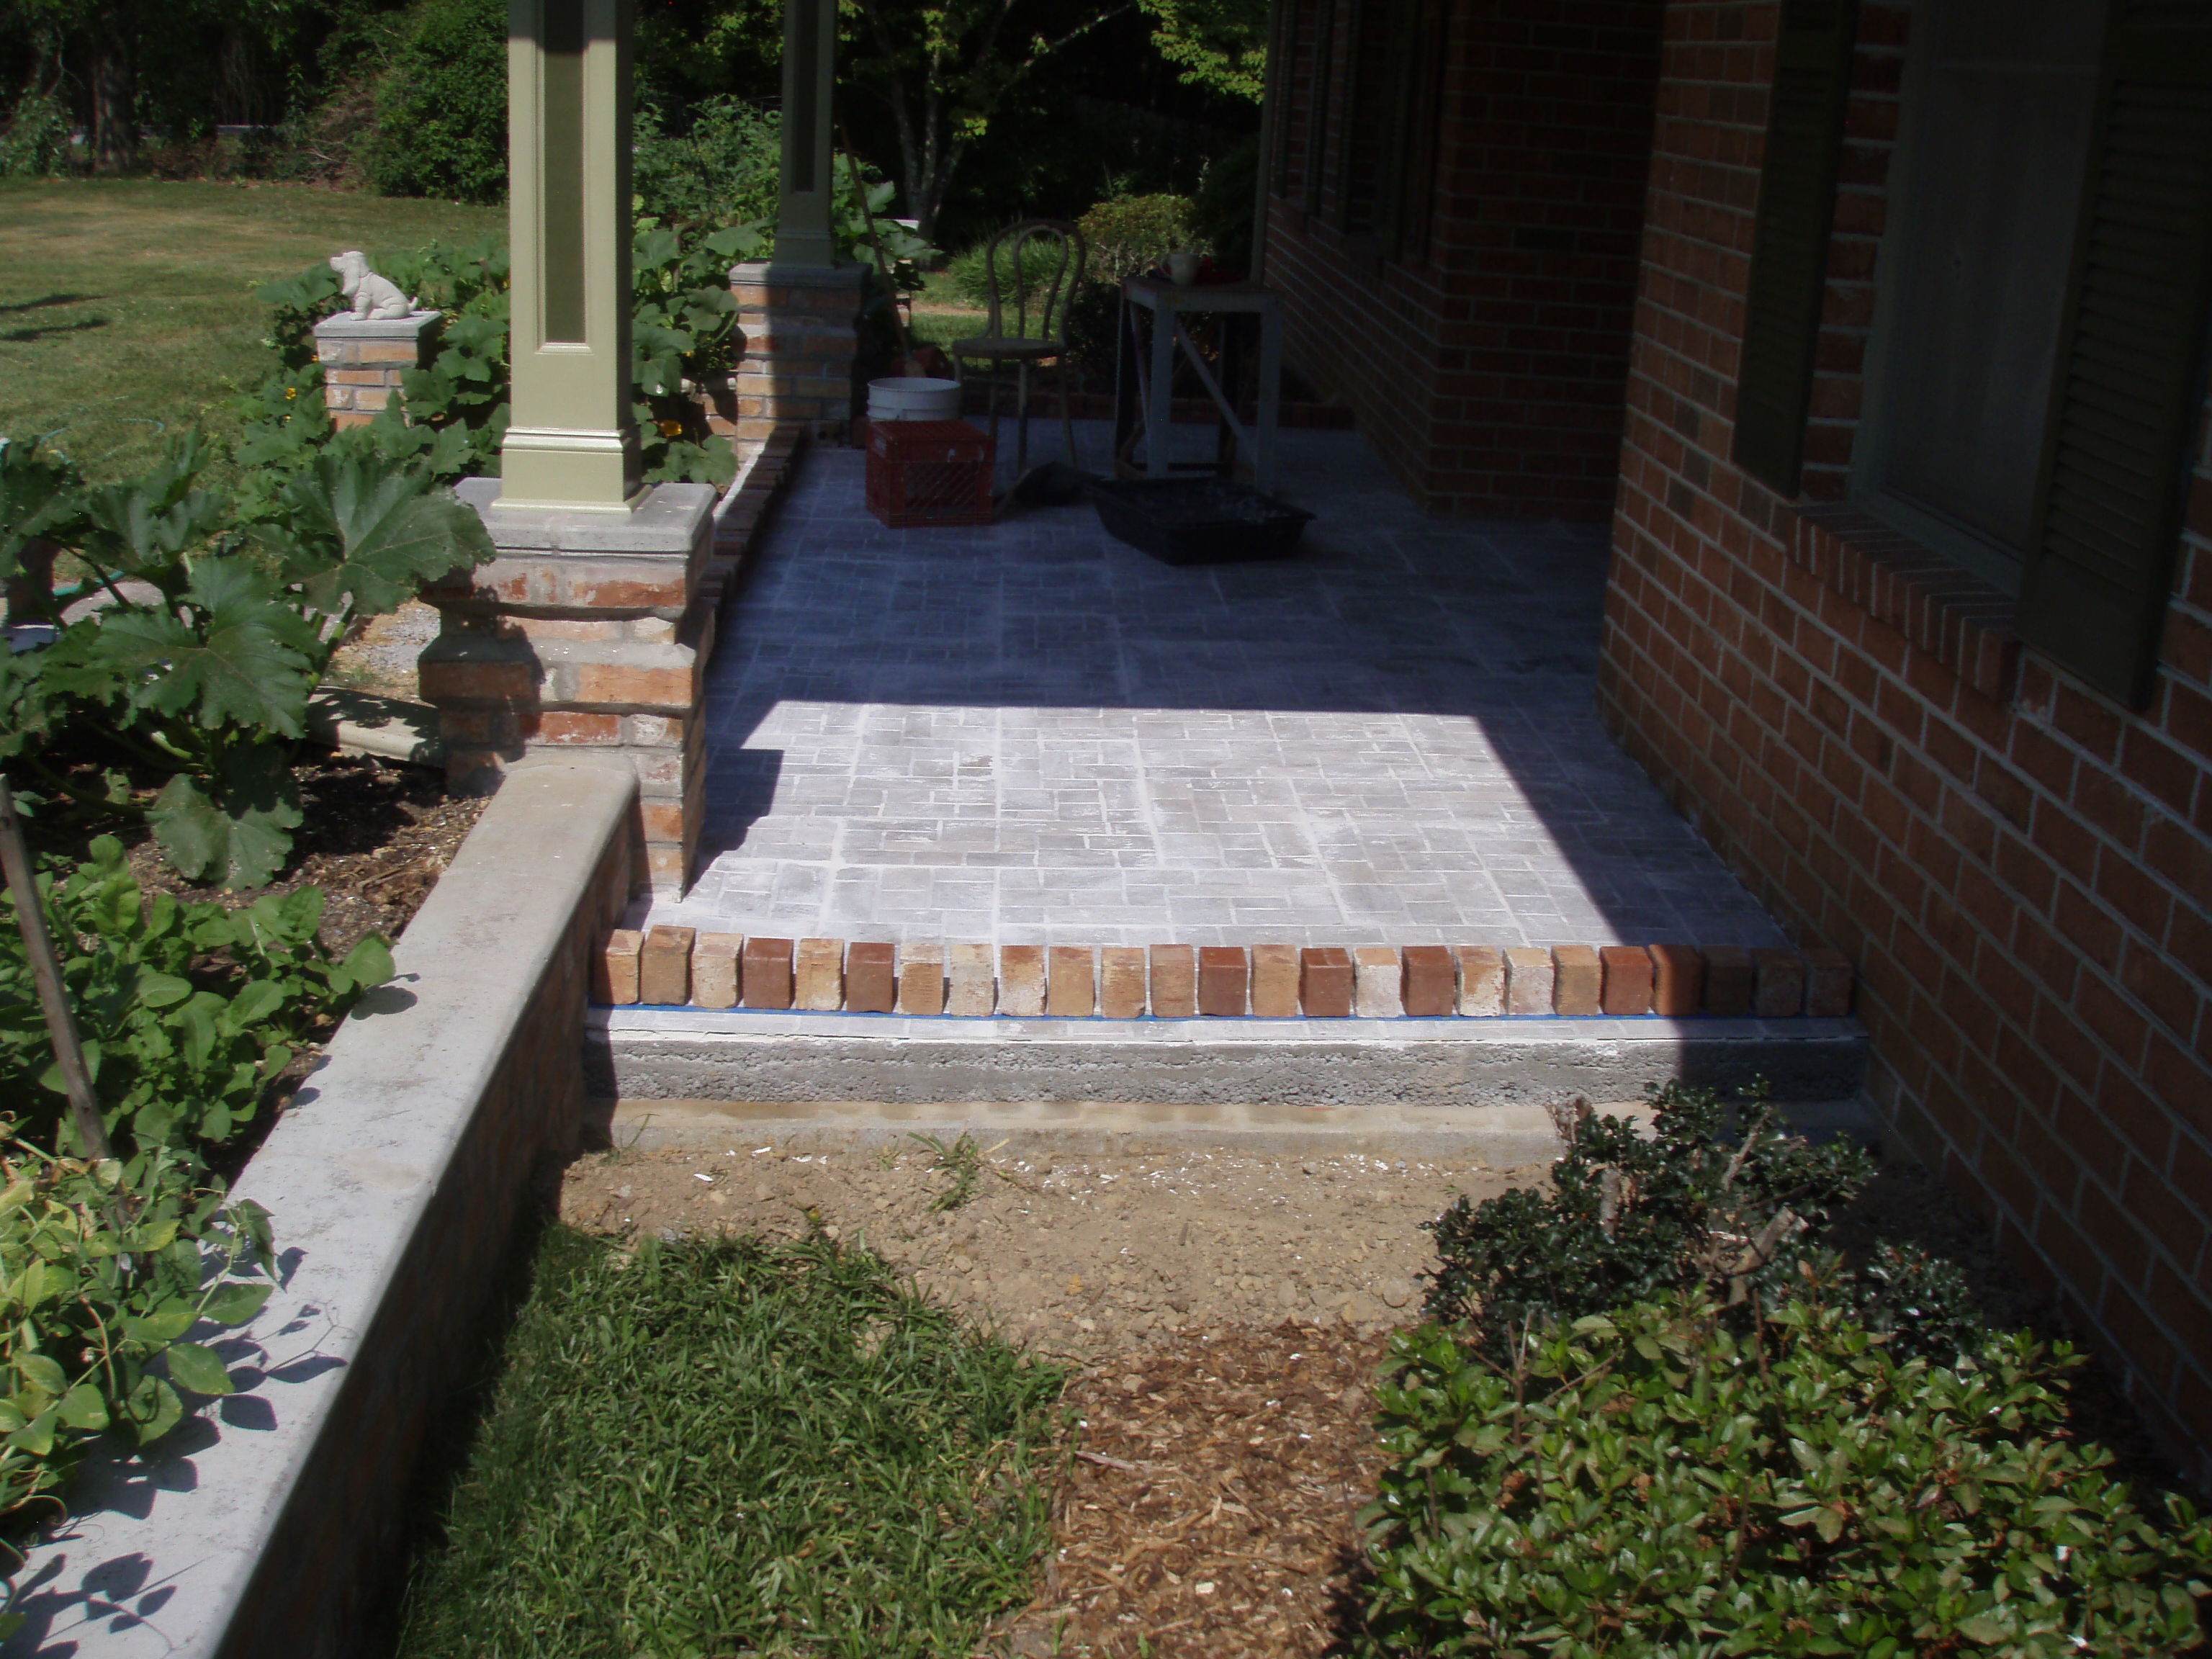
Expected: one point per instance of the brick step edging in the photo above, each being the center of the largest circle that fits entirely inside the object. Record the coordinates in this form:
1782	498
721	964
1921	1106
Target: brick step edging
679	967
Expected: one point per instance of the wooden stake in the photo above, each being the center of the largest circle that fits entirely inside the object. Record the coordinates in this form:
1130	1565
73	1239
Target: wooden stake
46	972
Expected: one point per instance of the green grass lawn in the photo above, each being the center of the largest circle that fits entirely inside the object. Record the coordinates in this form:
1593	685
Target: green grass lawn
722	1447
126	305
942	315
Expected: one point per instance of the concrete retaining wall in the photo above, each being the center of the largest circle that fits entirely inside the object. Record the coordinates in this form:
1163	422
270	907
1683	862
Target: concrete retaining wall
269	1525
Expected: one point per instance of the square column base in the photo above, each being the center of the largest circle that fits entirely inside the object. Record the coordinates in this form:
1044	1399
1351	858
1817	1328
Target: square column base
801	325
364	360
588	637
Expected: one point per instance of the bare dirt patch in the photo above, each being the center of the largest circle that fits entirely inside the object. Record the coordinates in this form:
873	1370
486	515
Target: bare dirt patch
1079	1255
1225	1310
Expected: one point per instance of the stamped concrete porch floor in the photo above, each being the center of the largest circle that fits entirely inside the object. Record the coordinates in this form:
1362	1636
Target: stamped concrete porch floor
1032	733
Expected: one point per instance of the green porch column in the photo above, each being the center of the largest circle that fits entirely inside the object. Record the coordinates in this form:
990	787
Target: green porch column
570	444
810	75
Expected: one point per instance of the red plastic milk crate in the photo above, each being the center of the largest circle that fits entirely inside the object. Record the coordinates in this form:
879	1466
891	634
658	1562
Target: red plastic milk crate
928	472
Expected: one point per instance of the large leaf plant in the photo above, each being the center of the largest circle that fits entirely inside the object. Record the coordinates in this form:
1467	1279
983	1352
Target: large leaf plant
195	635
452	412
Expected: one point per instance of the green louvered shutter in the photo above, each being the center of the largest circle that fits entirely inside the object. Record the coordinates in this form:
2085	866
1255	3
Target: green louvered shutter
2130	368
1789	237
1324	61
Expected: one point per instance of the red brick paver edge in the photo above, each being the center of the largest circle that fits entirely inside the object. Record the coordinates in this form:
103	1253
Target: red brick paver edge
672	967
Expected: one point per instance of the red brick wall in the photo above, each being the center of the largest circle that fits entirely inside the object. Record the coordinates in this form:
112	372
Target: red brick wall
1487	371
2022	870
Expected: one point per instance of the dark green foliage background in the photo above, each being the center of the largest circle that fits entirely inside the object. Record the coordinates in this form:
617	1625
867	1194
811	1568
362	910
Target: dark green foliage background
442	110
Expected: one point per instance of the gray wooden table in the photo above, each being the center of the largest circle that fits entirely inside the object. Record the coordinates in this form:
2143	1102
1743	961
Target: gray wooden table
1144	373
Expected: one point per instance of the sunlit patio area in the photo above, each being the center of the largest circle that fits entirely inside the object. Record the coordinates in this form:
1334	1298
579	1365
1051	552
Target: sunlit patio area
1033	733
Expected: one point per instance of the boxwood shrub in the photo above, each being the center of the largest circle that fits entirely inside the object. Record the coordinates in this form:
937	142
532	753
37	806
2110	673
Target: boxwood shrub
1653	1416
1658	1484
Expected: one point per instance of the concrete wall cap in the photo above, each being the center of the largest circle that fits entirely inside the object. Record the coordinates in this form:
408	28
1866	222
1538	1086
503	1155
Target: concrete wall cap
670	518
347	326
347	1175
797	275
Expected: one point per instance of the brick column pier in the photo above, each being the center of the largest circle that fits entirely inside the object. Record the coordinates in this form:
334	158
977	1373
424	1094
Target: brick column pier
363	361
800	323
589	636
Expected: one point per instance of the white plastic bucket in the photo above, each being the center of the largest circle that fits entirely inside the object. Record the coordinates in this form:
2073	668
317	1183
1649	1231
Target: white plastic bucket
916	398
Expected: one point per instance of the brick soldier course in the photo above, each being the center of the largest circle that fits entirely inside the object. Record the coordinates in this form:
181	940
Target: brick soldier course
1264	981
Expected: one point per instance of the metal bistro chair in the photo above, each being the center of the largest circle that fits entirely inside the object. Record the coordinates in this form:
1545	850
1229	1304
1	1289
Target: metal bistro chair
1046	293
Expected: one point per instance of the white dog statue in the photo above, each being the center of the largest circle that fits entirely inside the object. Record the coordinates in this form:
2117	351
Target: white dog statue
375	298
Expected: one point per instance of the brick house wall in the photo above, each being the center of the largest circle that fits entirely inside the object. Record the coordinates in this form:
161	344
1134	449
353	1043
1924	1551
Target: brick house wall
2020	869
1487	369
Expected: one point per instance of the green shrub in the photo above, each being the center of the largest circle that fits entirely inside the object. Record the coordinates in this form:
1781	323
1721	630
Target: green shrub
721	169
36	145
1627	1215
188	1011
441	108
1130	234
1659	1484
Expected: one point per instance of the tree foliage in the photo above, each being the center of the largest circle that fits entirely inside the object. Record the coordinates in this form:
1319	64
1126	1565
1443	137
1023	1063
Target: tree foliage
942	68
1217	44
441	108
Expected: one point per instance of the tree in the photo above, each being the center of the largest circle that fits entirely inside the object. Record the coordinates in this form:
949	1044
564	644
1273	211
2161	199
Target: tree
1219	44
943	67
441	111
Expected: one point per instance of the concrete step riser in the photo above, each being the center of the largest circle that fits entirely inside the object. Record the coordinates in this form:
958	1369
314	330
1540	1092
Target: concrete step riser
1503	1137
749	1056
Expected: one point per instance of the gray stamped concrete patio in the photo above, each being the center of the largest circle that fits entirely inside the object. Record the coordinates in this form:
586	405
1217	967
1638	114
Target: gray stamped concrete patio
1032	733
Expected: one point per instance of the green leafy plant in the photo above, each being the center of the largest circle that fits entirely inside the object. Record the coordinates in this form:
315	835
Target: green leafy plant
296	304
1130	234
452	413
1629	1214
906	249
1661	1482
216	630
107	1269
189	1011
683	334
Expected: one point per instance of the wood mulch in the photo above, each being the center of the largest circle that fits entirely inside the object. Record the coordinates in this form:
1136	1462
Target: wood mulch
1210	1509
375	837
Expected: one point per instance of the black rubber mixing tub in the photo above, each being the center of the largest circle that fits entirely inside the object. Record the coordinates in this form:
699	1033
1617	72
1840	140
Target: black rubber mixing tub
1197	520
